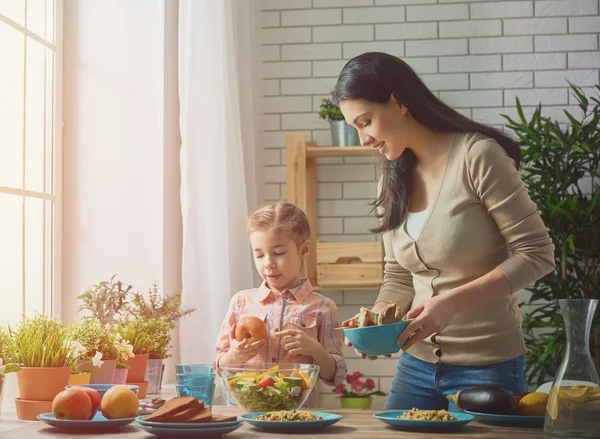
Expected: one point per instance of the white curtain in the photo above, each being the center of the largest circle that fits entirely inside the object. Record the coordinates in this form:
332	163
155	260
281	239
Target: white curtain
218	179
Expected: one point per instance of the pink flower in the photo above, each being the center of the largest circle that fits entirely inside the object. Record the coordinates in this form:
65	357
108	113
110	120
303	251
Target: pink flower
358	386
370	384
357	375
339	388
349	378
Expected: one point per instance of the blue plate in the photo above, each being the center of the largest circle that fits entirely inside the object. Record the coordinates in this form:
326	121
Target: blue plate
190	431
393	419
99	423
513	420
292	426
201	425
376	340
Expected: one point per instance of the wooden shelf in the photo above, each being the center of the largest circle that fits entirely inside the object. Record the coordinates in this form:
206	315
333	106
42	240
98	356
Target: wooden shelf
340	151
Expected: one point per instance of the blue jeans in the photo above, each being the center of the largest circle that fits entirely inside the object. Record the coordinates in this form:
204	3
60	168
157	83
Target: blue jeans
425	385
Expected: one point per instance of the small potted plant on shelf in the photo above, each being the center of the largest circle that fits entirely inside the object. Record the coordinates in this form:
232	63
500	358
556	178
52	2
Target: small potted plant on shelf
101	346
342	134
46	357
7	359
168	309
356	393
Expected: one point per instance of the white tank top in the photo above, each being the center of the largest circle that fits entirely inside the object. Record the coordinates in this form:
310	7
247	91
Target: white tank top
414	223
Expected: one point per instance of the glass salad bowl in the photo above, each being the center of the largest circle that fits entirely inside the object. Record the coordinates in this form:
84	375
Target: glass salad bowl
285	386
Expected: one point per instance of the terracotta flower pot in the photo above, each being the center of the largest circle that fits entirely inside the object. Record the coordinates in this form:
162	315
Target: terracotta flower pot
28	410
42	383
138	366
356	403
105	373
120	376
80	378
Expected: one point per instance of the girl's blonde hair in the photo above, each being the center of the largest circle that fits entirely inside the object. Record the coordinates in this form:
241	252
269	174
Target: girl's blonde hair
280	216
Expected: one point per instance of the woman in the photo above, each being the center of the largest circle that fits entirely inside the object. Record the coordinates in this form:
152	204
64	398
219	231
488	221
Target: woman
461	235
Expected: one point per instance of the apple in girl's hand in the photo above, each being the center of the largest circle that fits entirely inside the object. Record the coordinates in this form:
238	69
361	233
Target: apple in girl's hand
94	397
250	328
72	404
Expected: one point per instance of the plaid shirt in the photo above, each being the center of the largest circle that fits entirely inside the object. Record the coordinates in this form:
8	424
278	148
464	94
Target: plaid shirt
300	308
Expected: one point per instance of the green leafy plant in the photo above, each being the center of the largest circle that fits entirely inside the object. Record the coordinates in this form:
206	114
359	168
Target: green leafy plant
154	306
330	111
144	335
7	354
42	342
556	159
106	301
96	337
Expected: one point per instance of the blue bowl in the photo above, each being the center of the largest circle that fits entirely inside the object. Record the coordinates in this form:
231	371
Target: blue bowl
376	340
103	388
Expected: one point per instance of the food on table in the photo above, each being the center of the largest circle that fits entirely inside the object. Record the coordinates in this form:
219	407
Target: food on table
485	399
250	328
415	414
72	404
94	397
390	314
269	391
149	406
186	409
172	407
289	415
119	402
533	404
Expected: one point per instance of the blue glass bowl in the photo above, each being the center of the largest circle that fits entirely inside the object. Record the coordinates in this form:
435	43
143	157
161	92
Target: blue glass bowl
376	340
103	388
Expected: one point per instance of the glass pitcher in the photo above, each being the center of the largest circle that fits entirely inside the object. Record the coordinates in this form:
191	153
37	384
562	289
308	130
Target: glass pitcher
573	408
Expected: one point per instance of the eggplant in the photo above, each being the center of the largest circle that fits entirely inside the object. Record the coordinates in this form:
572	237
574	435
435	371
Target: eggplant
485	399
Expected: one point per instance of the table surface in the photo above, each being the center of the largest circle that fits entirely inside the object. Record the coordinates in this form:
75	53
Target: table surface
357	424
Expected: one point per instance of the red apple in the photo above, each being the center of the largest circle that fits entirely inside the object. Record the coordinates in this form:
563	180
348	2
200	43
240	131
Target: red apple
250	328
94	397
72	405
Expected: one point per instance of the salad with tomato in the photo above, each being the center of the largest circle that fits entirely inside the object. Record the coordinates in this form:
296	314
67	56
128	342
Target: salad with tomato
270	391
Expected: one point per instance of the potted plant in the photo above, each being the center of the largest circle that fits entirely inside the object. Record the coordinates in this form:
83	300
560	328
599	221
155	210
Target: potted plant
141	333
46	357
106	301
7	359
356	393
101	347
168	309
342	134
556	159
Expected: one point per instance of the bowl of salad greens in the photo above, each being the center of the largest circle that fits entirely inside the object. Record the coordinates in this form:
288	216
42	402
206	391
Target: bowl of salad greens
285	386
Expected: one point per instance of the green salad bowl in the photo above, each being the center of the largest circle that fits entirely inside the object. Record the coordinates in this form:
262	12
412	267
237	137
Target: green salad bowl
284	386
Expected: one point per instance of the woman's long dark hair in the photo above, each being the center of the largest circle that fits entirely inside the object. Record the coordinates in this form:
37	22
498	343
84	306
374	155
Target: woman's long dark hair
375	77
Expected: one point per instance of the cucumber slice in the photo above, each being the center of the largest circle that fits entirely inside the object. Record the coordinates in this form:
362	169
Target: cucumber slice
293	381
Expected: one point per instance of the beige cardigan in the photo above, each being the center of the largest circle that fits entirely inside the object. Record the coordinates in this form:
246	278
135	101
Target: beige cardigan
481	218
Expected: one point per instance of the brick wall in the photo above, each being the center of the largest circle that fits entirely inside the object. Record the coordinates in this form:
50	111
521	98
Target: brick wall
478	56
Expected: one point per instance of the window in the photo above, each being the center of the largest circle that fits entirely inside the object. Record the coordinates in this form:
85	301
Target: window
29	154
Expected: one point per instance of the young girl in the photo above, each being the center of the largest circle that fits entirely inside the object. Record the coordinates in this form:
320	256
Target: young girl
300	321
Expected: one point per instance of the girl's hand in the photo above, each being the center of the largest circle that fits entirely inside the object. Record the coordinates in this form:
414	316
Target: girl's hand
429	318
241	351
346	324
296	342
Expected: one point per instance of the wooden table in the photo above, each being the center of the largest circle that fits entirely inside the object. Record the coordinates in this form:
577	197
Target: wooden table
356	424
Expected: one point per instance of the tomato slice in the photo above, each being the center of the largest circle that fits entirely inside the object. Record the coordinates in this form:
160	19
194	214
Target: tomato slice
352	323
265	382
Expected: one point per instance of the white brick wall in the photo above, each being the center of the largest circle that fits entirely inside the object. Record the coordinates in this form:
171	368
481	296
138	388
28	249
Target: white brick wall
478	55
